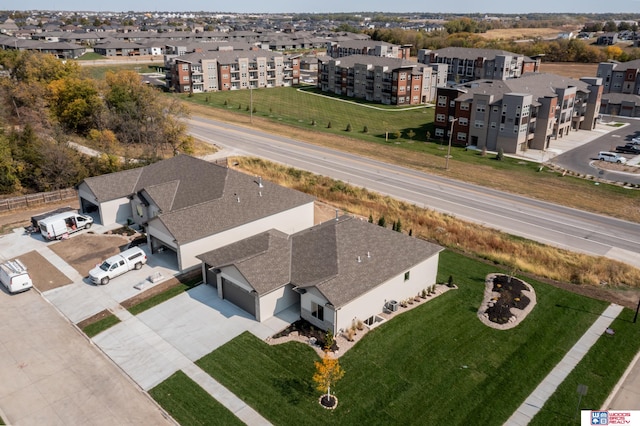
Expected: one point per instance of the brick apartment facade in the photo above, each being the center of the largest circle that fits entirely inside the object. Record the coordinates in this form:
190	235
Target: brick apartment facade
385	80
519	114
467	64
231	70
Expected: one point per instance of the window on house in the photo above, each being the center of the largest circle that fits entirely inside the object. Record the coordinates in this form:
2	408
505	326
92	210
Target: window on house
440	118
442	101
185	67
317	311
464	106
463	121
480	108
407	275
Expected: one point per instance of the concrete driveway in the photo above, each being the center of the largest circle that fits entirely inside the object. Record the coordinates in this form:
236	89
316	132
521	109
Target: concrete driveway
51	375
171	336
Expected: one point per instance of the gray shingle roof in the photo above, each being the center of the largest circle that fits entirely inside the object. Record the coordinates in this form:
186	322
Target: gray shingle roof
198	198
537	84
326	257
263	259
351	60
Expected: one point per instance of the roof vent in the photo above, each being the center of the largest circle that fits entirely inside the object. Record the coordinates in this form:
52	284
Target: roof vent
368	255
359	259
260	185
238	198
260	193
337	214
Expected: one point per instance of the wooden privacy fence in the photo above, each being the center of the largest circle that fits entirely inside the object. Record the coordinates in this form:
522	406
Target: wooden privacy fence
34	200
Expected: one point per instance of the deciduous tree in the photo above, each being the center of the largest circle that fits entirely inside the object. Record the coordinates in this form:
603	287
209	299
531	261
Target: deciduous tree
328	371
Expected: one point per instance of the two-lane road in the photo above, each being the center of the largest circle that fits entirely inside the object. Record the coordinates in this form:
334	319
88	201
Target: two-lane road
540	221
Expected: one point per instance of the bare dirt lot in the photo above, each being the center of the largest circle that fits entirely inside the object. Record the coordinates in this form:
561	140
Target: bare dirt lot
85	251
45	276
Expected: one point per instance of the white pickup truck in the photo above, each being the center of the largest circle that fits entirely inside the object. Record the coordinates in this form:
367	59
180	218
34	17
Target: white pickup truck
116	265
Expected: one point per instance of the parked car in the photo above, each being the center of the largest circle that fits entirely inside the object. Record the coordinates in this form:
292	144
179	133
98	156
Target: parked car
14	276
60	225
635	141
611	157
629	149
132	258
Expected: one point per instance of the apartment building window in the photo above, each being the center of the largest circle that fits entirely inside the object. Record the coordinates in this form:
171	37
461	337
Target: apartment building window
616	85
493	124
495	109
185	67
225	76
501	127
452	104
440	118
416	88
317	311
478	124
461	136
407	275
480	108
463	121
442	101
415	98
464	106
403	76
185	78
439	132
211	67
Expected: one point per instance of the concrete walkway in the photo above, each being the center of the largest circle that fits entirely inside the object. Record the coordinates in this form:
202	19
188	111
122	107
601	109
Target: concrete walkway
534	403
148	358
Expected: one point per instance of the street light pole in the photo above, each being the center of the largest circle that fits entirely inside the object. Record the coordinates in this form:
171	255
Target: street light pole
446	163
250	103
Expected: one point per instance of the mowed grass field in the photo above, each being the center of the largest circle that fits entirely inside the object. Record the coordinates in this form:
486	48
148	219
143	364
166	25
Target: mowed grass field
309	109
435	364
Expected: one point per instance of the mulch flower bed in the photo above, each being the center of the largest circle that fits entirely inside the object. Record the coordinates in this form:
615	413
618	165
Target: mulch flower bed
329	403
510	296
308	330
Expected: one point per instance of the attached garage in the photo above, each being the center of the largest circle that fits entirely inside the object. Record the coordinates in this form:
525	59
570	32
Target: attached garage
240	297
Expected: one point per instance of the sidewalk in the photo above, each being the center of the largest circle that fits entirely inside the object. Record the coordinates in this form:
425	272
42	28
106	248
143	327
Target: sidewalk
534	403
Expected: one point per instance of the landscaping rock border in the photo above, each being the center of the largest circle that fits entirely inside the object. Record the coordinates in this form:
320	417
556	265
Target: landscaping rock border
518	314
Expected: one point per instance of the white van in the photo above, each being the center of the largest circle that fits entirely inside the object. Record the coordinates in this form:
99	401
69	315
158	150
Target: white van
14	276
611	157
61	225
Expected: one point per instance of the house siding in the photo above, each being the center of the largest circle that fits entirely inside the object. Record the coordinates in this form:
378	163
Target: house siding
372	303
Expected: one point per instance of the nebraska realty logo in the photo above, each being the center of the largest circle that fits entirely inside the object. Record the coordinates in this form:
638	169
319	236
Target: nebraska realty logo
611	417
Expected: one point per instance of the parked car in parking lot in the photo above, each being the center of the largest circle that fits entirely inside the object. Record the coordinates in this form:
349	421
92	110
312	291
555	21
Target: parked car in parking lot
611	157
635	141
629	149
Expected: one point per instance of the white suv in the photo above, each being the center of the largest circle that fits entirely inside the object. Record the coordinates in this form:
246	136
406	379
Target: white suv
611	157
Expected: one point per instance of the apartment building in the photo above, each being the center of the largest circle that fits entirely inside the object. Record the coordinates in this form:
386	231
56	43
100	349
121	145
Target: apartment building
519	114
621	81
467	64
385	80
231	70
382	49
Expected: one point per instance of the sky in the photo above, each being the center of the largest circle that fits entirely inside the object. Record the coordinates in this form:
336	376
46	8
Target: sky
323	6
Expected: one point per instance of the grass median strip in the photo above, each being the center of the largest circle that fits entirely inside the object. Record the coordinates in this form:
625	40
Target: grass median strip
98	323
189	404
174	289
434	364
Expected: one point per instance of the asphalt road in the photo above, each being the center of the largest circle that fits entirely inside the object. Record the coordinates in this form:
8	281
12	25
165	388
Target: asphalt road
540	221
581	158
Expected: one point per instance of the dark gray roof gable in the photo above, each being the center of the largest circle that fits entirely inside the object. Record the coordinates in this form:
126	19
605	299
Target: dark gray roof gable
262	260
198	198
325	257
383	255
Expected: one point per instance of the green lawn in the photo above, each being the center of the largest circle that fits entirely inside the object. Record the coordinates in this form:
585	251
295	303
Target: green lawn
189	404
599	370
436	364
164	296
303	107
100	326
